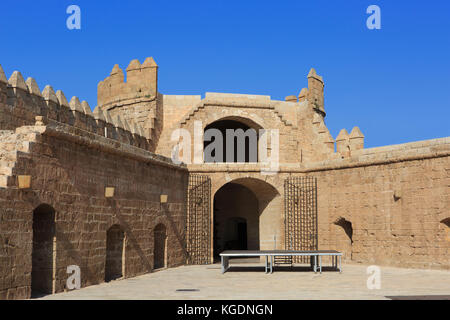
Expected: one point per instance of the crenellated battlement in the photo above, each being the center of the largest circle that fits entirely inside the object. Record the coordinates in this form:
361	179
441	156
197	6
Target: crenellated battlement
21	101
137	99
347	143
141	82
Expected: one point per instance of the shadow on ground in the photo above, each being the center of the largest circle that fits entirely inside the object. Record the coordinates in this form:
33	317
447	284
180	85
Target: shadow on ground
433	297
239	268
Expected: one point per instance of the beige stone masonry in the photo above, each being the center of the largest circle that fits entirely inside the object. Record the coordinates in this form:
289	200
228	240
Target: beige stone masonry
2	75
27	102
33	87
141	83
16	81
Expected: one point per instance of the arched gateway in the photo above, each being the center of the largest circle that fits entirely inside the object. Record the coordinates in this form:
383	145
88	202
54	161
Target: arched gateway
244	213
247	214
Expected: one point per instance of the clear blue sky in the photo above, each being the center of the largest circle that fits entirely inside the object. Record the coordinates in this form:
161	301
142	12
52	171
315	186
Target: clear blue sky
393	83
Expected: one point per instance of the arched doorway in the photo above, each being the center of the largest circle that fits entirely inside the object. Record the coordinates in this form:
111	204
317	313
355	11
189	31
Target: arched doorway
236	219
159	249
247	216
239	142
344	237
115	251
42	252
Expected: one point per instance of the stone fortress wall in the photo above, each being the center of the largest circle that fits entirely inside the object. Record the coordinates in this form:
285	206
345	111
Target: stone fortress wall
71	155
387	205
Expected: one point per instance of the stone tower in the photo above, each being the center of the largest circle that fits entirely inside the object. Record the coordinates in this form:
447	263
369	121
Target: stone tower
315	91
136	100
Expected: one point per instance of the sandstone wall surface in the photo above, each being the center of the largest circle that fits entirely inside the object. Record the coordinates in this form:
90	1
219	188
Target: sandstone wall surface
70	169
386	206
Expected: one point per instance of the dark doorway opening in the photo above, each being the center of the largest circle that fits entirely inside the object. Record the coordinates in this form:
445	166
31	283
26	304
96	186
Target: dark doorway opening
236	219
235	234
42	253
251	142
242	235
159	250
115	250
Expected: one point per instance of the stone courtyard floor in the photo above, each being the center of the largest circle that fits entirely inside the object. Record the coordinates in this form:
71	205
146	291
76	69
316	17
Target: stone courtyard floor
248	282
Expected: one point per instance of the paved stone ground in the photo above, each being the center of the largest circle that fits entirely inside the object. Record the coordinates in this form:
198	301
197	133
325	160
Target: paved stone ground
248	281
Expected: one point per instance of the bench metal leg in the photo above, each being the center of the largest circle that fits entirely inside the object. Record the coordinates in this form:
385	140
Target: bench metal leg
340	263
267	264
320	263
315	264
225	264
271	264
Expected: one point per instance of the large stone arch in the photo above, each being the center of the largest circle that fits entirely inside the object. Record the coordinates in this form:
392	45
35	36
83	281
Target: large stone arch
265	207
243	150
252	121
246	177
191	129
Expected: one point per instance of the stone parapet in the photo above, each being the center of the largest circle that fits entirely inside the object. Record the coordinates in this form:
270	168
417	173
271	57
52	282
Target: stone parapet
426	149
92	140
21	101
